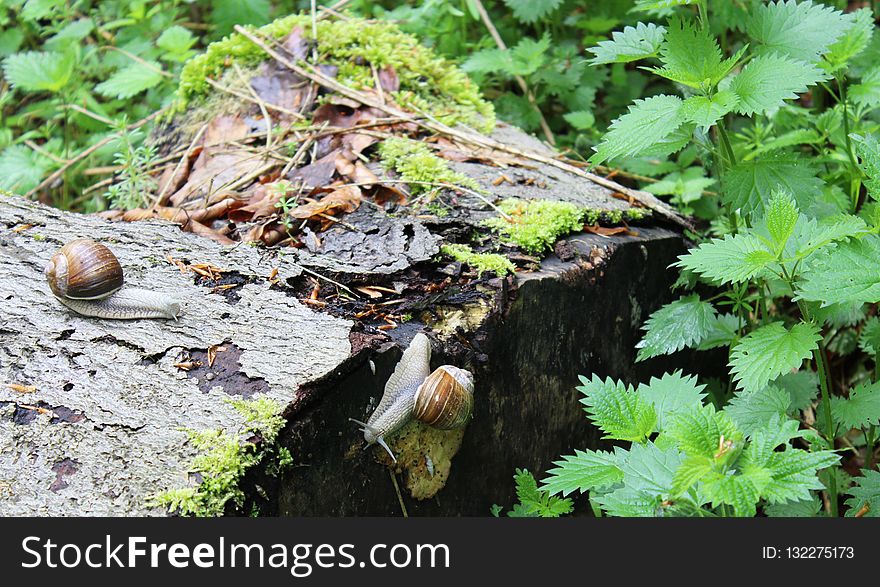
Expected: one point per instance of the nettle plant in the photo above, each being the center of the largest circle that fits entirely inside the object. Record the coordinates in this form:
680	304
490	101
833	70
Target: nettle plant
789	282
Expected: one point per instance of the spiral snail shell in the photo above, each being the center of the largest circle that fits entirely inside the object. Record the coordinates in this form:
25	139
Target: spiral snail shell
443	398
86	277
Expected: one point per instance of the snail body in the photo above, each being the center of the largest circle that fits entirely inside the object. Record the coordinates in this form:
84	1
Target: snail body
443	398
86	277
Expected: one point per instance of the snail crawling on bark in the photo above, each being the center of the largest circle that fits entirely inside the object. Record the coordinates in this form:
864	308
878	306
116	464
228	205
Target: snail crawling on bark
86	277
443	399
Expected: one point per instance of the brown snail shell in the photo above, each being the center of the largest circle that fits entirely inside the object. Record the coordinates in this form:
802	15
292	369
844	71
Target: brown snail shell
84	270
86	277
445	399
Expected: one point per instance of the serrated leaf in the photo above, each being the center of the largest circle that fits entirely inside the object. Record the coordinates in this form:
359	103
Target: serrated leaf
531	11
867	91
73	32
749	184
802	388
630	44
534	502
781	217
860	410
583	472
39	9
529	55
625	502
856	39
810	235
691	470
868	151
488	61
671	394
617	410
865	494
705	112
764	441
131	80
736	490
647	123
733	259
36	71
690	56
802	30
724	330
847	273
793	474
770	351
702	431
21	168
677	325
869	341
752	410
807	508
581	119
177	42
768	80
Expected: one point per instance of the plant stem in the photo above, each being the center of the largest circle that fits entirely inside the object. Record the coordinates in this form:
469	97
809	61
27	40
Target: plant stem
821	367
722	134
855	176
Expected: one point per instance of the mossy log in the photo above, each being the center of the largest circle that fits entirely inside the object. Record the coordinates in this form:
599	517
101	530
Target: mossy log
94	413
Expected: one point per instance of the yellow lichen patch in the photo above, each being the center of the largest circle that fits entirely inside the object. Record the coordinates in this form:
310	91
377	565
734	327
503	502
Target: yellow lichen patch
424	457
448	319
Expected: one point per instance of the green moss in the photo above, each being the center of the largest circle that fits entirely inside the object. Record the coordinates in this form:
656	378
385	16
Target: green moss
223	460
427	82
415	162
536	225
482	262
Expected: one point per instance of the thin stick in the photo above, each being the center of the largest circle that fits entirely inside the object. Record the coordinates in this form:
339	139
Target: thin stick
143	62
238	94
327	279
397	491
44	152
646	199
260	103
487	20
83	154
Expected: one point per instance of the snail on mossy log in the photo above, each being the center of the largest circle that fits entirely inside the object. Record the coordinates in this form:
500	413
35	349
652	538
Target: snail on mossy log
443	399
86	277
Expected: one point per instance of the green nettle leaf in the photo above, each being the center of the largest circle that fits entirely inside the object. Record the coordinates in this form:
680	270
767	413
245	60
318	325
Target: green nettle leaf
798	30
702	431
869	341
807	508
580	119
764	441
228	13
677	325
847	273
733	259
645	5
691	56
705	112
177	41
768	80
687	186
630	44
855	40
584	471
529	55
723	332
131	80
793	474
860	410
36	71
753	410
749	185
534	502
781	218
738	491
867	92
647	123
671	394
868	150
21	168
770	351
810	235
865	494
802	388
617	409
530	11
488	61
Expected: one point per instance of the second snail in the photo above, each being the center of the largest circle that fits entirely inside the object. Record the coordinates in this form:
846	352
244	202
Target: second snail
443	398
86	276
